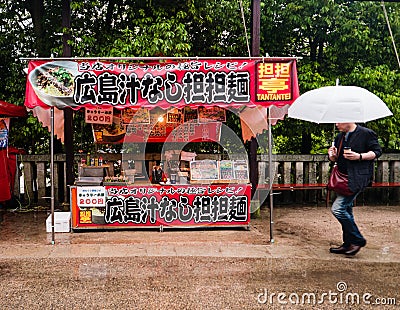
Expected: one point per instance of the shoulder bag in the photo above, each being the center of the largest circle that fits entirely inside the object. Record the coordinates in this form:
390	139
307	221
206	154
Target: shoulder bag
338	181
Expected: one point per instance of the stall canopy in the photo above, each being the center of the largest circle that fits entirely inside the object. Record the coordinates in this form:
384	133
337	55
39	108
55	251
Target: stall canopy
130	84
8	154
11	110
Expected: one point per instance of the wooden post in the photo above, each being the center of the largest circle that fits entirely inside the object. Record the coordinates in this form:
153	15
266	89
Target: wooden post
29	179
255	51
255	27
41	182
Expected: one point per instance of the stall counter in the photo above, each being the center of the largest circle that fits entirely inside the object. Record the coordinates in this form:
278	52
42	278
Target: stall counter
140	206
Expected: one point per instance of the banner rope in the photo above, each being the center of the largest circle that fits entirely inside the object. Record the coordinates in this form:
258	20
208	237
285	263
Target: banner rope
244	26
390	31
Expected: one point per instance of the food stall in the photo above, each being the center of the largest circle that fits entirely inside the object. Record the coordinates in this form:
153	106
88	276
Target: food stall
8	167
167	101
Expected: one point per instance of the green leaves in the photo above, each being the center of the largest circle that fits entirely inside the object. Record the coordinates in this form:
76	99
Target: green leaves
341	39
348	40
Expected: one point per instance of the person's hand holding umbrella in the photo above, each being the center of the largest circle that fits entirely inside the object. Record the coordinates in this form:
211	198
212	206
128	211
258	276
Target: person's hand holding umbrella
332	152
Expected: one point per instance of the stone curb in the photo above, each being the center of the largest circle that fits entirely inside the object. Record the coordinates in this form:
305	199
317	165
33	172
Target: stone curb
237	250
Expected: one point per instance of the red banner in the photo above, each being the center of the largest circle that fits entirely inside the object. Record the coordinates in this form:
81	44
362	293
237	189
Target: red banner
229	83
172	205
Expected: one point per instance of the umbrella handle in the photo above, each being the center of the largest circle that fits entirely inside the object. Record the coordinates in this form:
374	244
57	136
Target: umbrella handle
333	144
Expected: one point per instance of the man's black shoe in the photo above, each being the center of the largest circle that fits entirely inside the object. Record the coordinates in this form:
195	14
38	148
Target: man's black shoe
353	249
340	250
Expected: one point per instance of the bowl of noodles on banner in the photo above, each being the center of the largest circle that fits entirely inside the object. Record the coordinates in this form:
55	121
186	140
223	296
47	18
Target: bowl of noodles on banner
54	83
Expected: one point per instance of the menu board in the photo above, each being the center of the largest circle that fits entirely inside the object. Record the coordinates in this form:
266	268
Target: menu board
143	125
99	115
114	132
212	114
140	116
241	170
203	170
190	115
174	116
226	170
158	128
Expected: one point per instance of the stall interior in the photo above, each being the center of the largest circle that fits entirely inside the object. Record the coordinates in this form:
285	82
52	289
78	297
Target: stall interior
154	144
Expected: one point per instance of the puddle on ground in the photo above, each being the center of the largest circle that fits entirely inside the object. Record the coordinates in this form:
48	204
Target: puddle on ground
94	271
27	227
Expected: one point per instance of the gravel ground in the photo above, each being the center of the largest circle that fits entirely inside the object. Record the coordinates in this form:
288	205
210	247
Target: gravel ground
299	267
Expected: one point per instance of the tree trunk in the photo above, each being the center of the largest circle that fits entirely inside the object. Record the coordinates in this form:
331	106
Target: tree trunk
313	50
306	144
68	113
36	8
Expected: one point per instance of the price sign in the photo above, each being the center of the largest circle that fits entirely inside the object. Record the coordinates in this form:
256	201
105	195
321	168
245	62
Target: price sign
91	196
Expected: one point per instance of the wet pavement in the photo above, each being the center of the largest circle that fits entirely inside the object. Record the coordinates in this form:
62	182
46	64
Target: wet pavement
207	268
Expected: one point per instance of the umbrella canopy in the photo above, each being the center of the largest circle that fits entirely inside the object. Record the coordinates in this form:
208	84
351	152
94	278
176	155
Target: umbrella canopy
12	110
338	104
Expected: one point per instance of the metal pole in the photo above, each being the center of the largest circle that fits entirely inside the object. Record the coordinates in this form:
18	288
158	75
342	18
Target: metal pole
52	173
271	179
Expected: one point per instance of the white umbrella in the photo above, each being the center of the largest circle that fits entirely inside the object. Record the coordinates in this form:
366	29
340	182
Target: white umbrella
338	104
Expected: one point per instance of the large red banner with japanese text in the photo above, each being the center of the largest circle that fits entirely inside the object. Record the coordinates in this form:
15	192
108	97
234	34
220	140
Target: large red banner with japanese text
227	83
161	206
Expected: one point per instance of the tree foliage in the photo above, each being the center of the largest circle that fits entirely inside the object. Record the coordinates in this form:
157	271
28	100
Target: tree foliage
344	40
334	39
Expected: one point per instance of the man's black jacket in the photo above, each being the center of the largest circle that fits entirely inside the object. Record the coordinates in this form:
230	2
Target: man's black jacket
360	173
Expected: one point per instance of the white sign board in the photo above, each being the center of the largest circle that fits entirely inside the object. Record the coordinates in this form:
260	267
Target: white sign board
99	115
91	196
